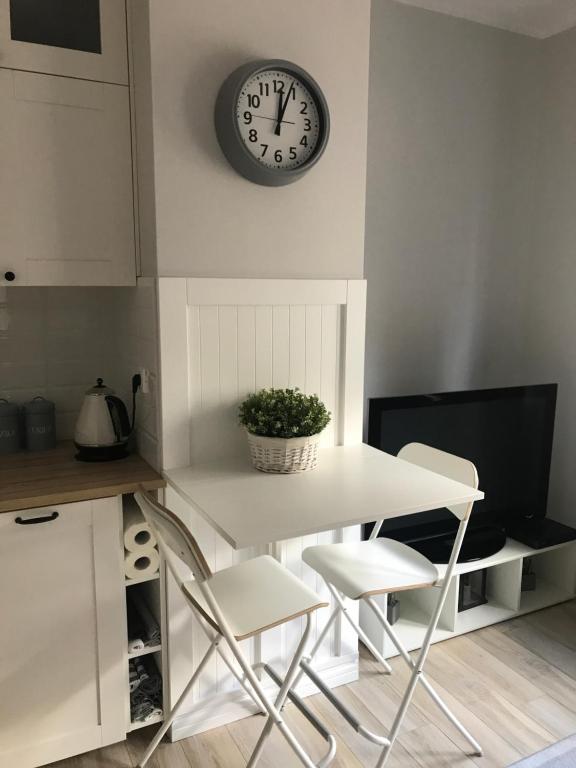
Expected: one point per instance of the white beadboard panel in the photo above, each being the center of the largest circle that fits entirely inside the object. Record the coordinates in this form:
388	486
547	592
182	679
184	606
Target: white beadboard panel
244	292
352	372
221	339
233	350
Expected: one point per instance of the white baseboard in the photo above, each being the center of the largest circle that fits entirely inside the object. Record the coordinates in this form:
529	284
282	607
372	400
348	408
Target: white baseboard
228	707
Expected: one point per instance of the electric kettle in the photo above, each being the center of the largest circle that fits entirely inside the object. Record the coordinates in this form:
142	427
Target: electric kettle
103	426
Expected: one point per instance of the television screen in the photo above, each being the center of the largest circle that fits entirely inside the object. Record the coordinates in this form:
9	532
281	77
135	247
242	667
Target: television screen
507	433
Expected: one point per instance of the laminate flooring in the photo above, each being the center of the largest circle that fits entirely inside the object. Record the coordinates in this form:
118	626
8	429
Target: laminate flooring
513	685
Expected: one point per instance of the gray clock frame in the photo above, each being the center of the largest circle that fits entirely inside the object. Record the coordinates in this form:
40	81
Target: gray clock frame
231	142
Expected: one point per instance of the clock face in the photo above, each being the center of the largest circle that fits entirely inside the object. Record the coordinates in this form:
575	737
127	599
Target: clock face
278	119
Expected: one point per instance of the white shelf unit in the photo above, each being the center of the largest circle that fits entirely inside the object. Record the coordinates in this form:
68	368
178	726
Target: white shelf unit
152	589
555	569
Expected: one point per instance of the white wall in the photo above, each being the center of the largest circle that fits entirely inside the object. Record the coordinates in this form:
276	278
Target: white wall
551	336
209	220
454	123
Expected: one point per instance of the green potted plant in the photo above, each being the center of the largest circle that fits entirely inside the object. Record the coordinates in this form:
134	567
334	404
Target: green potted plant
283	428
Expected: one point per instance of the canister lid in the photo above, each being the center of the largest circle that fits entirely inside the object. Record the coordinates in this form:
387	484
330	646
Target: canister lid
39	405
7	408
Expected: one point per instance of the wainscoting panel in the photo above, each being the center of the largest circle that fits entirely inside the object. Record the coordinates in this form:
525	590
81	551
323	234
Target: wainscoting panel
220	340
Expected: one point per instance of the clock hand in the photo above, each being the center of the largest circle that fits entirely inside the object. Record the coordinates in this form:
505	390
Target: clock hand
275	119
282	109
279	115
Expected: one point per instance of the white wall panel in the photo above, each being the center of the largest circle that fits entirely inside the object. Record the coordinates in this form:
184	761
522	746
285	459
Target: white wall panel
238	336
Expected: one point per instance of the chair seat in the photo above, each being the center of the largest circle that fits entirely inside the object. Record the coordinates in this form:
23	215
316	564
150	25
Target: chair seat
363	568
255	595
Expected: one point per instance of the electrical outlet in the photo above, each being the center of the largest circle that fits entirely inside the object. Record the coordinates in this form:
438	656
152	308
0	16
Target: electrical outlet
145	378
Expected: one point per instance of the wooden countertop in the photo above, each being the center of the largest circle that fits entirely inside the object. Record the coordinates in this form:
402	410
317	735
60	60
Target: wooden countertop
55	477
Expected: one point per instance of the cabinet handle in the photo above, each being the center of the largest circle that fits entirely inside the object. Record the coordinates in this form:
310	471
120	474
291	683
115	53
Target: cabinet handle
36	520
9	276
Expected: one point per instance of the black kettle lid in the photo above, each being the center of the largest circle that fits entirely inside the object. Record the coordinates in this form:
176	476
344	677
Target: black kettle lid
100	389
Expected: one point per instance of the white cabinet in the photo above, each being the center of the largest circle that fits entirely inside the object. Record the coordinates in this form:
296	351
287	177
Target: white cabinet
66	196
62	639
77	39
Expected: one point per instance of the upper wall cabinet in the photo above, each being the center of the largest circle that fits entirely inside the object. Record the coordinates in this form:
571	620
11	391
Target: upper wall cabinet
76	38
66	203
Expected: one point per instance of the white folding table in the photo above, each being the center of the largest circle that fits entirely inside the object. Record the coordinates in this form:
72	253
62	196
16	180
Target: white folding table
352	484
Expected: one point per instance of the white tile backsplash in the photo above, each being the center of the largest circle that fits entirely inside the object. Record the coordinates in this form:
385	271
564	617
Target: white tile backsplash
55	342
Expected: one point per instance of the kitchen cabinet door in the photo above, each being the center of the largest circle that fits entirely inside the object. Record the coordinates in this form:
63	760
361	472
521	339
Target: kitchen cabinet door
62	670
66	197
75	38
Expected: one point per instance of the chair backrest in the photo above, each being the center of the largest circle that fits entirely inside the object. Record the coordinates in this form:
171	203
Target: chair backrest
454	467
173	537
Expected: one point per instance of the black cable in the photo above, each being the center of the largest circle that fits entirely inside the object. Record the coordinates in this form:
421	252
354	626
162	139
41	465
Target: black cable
136	384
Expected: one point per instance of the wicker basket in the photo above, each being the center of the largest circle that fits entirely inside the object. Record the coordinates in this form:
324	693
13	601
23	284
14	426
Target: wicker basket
283	455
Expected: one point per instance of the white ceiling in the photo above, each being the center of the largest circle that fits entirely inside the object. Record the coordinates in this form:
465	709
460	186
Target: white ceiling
537	18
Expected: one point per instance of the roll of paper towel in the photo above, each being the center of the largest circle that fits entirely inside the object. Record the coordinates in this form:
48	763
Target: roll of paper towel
138	535
141	563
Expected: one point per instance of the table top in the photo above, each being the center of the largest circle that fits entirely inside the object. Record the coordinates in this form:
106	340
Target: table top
41	478
351	485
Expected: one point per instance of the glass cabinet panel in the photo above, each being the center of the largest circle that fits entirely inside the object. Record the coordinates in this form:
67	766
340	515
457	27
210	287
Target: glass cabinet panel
71	24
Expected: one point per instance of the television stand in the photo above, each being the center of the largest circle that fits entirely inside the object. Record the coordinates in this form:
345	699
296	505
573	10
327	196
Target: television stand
479	542
553	572
539	532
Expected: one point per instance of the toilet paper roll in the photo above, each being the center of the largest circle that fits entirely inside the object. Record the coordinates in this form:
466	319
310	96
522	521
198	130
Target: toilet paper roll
138	535
140	564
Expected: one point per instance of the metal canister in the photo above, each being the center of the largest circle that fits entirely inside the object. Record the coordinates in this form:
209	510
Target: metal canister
9	427
39	424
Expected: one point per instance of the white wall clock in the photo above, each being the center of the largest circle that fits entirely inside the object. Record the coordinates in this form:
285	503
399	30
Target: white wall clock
272	121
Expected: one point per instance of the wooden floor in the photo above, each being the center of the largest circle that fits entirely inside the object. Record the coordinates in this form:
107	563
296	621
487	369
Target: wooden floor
512	685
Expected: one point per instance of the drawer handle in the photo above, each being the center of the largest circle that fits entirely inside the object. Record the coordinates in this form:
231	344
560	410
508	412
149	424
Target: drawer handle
36	520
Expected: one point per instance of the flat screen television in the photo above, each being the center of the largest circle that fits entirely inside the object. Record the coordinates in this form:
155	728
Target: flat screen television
508	435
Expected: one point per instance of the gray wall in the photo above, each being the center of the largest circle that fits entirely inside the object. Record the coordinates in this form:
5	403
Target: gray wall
552	330
470	225
453	115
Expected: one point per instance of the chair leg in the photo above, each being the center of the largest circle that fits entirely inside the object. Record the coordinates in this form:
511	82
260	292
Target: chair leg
273	712
282	693
419	664
359	631
170	719
423	680
211	636
321	637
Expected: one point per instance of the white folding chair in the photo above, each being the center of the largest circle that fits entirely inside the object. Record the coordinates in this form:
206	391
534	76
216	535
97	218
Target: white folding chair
234	604
361	570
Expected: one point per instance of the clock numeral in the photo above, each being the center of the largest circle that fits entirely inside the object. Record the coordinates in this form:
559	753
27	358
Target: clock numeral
247	117
264	150
253	100
304	141
264	89
278	156
278	86
307	124
293	154
253	135
304	110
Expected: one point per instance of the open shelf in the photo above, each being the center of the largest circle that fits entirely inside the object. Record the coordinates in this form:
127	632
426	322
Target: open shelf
145	595
482	616
134	726
145	651
544	595
143	580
